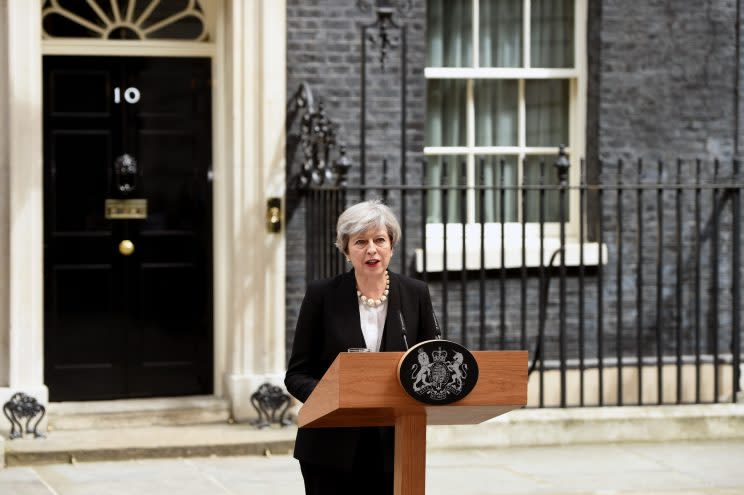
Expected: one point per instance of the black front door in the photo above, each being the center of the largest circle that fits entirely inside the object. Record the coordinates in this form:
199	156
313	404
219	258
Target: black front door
127	227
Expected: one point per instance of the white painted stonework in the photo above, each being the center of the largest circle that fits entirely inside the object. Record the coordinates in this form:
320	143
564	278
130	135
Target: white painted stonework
22	324
4	204
249	263
248	52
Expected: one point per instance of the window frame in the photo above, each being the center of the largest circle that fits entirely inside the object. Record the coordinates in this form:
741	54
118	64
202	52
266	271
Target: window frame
577	107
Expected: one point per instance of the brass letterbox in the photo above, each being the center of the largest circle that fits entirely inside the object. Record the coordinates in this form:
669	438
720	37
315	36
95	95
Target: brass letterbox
126	209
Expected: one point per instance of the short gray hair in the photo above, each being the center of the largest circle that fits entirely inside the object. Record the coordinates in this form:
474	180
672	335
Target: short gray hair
361	217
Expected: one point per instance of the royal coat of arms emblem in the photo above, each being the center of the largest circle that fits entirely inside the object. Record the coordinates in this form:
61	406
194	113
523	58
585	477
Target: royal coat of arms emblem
438	372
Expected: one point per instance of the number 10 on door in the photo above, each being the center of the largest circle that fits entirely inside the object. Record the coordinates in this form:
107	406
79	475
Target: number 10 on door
131	95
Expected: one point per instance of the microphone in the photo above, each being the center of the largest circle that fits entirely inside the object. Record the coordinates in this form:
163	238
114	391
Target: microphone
437	331
403	328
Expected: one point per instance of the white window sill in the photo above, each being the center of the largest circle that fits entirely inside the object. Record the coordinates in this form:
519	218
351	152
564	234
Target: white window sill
492	249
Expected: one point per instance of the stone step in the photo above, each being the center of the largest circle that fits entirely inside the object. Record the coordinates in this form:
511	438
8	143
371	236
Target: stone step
109	444
133	413
521	428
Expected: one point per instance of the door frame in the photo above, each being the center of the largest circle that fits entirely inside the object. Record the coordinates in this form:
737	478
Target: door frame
248	104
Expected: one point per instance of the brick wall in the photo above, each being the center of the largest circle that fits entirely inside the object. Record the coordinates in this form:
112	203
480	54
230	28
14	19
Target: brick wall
662	87
324	50
667	78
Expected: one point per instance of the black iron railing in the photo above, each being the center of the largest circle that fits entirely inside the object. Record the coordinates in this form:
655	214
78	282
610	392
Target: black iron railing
625	291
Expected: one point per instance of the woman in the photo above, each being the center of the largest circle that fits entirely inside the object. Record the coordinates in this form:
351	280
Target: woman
360	308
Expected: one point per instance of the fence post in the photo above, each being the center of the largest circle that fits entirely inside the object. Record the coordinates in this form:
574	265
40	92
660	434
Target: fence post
736	283
562	165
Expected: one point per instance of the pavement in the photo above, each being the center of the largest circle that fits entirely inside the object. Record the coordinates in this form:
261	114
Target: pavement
655	468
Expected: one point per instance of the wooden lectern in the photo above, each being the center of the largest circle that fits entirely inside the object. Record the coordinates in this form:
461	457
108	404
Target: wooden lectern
362	389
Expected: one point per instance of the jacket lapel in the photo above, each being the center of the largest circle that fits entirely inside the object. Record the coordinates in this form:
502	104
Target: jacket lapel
392	335
349	305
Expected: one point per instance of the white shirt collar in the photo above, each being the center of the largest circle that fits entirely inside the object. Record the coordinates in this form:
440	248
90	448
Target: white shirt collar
372	321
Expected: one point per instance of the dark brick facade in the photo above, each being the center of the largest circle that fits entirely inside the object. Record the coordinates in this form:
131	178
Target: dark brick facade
666	78
324	50
661	85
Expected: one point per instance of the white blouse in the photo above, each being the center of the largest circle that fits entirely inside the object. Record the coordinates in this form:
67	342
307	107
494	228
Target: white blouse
372	320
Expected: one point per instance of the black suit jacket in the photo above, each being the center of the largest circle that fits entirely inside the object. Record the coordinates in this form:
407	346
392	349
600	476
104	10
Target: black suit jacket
328	324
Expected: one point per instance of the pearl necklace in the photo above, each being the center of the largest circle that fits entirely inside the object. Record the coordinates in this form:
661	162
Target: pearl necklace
368	301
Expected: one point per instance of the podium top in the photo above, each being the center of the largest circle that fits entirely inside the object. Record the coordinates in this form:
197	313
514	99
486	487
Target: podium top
362	389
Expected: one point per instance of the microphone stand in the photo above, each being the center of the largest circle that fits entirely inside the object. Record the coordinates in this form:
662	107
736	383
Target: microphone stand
403	328
437	331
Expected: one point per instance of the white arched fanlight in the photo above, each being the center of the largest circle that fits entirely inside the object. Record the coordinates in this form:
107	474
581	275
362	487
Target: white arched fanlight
144	18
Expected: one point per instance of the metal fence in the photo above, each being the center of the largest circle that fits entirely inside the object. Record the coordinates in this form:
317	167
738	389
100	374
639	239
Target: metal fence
625	291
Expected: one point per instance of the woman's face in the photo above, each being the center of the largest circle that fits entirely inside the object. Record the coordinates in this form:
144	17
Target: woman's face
370	251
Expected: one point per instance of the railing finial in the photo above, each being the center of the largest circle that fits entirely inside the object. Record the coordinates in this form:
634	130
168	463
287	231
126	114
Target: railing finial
341	167
562	164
